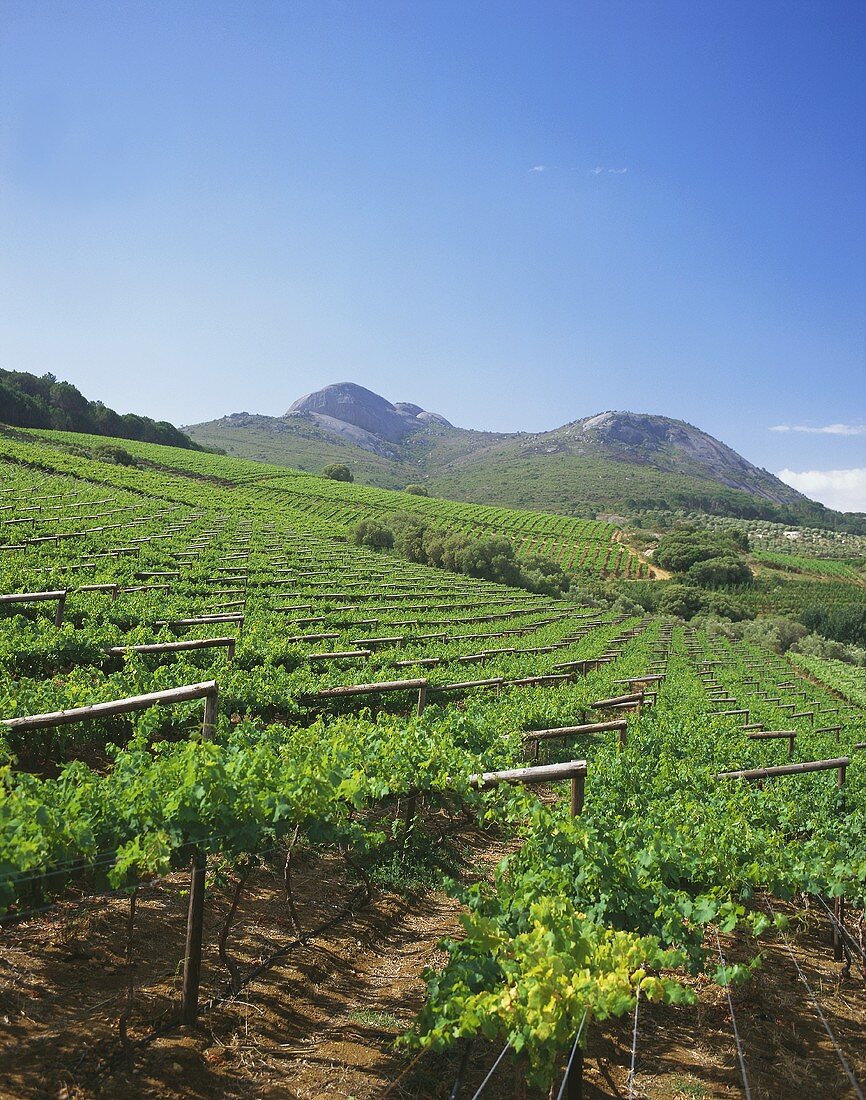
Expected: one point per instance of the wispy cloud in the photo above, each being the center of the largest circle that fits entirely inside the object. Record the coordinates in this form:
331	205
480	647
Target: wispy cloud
600	170
841	489
538	168
827	429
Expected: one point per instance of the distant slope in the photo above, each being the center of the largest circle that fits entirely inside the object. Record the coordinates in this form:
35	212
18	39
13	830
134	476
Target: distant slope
28	401
384	444
620	462
325	507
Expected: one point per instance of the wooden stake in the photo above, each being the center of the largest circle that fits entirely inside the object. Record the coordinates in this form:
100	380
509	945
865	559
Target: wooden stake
194	935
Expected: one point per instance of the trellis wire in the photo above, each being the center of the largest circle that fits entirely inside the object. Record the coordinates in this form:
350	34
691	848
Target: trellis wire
633	1048
564	1084
848	939
746	1089
491	1071
842	1059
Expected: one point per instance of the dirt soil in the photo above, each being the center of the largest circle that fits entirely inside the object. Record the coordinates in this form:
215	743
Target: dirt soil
321	1021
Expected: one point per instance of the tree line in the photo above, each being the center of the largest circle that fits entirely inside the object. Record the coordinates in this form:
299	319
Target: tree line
29	401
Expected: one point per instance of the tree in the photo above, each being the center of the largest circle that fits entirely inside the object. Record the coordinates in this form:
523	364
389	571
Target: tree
338	471
723	570
681	600
417	490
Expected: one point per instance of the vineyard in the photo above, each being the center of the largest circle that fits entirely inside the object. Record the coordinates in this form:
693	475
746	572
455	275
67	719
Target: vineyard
241	756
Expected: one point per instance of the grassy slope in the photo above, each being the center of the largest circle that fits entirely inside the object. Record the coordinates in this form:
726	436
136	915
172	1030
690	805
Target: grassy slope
302	445
583	486
481	467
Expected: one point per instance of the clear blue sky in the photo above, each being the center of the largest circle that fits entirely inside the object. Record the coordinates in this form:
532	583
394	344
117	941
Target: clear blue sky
515	214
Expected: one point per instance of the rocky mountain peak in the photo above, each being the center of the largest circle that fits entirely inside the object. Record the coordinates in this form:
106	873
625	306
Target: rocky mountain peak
360	415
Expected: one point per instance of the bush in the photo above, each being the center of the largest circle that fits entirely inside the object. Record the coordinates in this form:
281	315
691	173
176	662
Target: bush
338	471
409	532
544	576
373	535
491	559
726	607
118	455
685	548
417	490
680	599
814	645
775	633
625	606
716	572
841	624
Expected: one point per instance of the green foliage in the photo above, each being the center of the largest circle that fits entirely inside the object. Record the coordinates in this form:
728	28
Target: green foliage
583	913
773	632
373	535
726	606
684	548
717	572
338	471
681	600
842	624
28	401
841	676
416	490
492	558
108	452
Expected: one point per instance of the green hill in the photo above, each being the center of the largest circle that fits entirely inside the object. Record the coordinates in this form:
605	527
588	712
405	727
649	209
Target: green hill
615	462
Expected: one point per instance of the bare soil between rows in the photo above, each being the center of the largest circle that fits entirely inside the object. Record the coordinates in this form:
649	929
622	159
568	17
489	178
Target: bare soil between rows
322	1020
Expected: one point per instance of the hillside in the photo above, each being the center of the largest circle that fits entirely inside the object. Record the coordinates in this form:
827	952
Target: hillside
619	462
28	401
219	714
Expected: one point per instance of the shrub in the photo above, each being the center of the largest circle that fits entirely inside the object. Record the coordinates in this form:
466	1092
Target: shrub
110	453
680	599
374	535
726	607
841	624
409	532
491	559
684	548
338	471
715	572
544	576
775	633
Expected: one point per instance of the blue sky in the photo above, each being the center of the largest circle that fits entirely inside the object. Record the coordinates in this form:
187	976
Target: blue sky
515	214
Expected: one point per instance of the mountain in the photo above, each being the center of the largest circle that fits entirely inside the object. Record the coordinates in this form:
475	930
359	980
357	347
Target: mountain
363	417
667	445
622	462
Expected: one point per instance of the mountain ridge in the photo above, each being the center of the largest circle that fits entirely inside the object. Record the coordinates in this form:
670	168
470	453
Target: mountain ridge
614	458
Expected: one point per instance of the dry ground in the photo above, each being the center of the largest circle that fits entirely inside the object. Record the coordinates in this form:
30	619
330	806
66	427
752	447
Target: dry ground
320	1022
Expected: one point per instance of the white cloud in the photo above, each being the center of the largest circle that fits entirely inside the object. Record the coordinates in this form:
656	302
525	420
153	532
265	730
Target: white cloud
600	170
538	168
844	490
827	429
